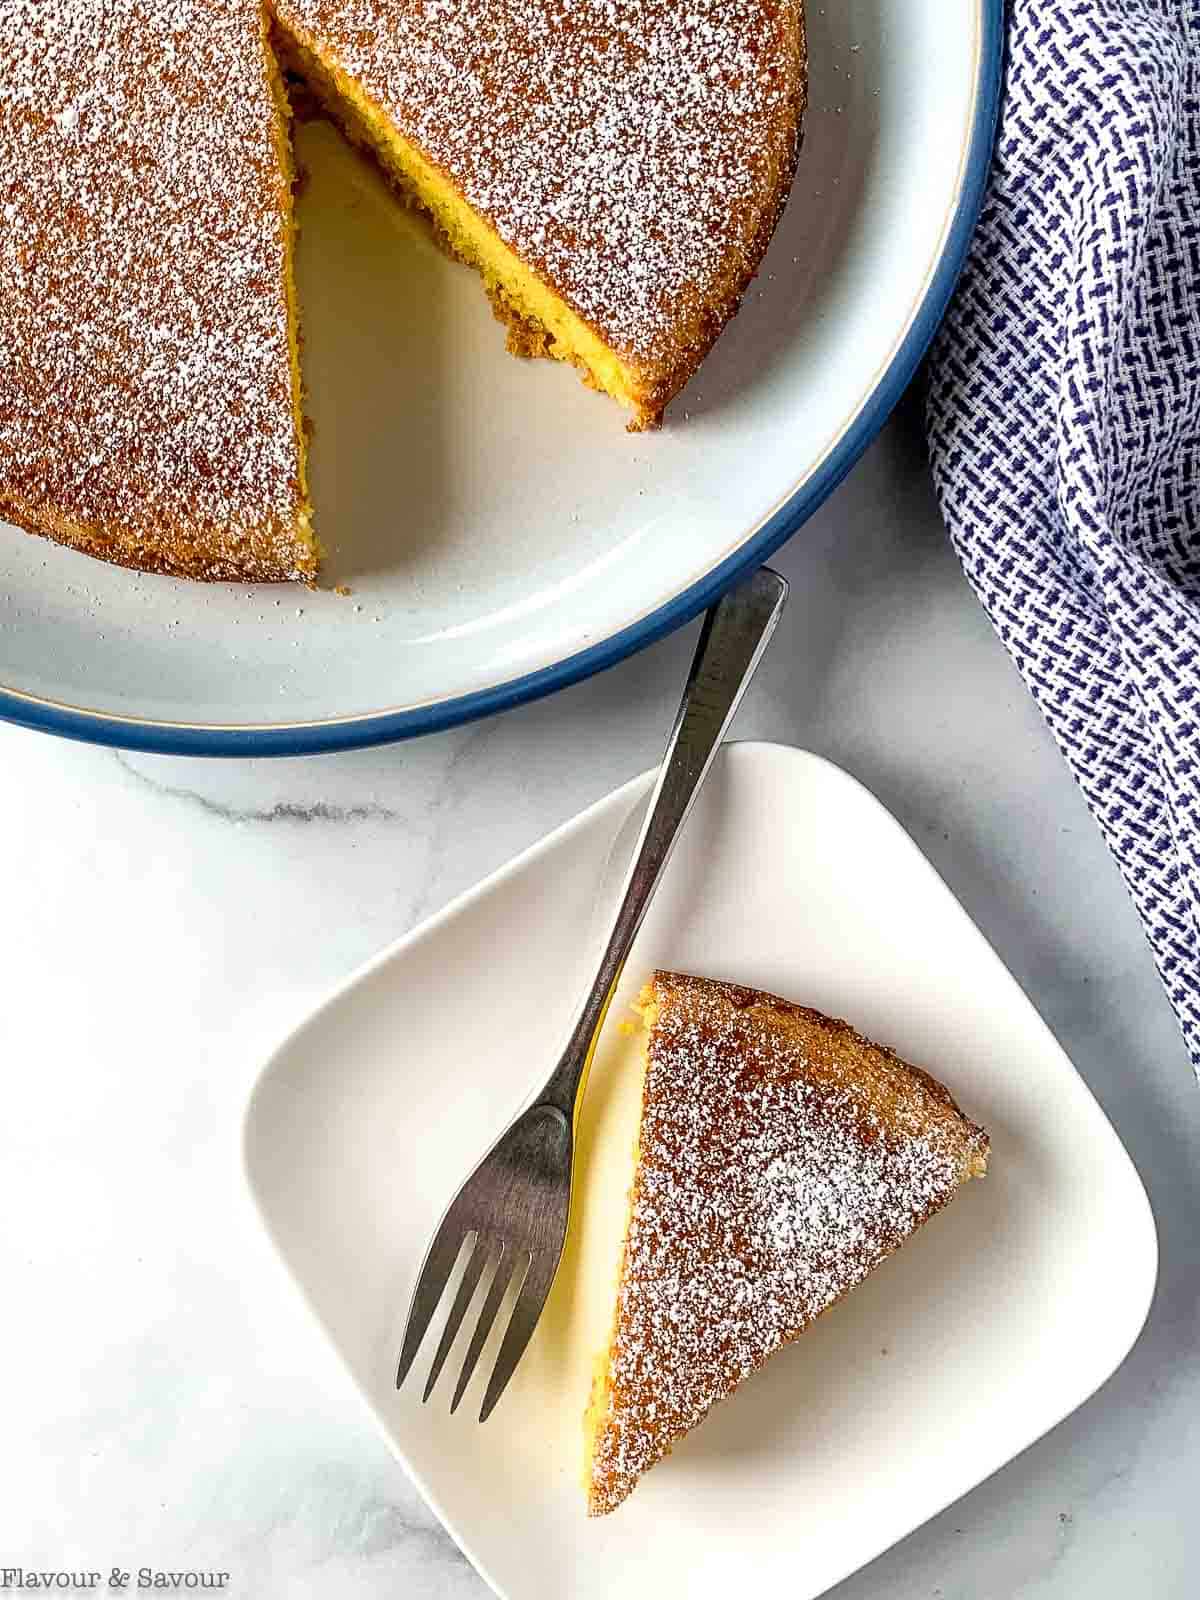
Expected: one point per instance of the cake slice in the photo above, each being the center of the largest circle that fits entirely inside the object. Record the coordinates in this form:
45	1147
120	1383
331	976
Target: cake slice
780	1158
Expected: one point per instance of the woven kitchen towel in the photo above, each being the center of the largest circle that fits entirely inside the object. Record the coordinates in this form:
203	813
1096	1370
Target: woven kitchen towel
1064	427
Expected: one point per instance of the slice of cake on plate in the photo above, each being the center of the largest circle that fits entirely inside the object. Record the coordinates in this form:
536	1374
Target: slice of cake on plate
780	1158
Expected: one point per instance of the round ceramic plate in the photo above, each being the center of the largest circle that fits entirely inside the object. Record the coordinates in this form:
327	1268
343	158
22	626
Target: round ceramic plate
500	533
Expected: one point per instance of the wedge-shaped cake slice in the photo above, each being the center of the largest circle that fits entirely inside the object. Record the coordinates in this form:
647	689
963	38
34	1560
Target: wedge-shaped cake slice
780	1158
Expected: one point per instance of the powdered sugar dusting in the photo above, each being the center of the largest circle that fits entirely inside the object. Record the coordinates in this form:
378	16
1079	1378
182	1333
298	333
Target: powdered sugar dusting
145	386
781	1159
630	150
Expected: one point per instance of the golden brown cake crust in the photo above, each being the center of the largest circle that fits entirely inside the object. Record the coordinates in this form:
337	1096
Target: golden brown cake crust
146	407
636	154
781	1157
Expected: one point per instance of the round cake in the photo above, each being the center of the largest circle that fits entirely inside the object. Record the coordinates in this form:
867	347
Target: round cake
613	168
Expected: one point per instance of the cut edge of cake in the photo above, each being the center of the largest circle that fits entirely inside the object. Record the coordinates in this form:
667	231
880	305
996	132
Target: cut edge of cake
309	552
974	1153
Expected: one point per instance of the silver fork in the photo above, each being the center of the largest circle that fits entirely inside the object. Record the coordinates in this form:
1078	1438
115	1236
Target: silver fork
514	1208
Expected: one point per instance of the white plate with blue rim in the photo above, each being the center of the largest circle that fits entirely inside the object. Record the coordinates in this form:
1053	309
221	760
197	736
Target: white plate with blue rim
501	534
999	1317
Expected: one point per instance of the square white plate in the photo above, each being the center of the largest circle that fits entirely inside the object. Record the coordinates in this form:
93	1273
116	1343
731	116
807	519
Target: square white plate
1001	1316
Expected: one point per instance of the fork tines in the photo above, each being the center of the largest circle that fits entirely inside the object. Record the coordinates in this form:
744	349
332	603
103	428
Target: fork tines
511	1215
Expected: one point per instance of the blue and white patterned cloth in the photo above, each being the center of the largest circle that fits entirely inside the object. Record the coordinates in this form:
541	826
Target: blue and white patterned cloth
1064	427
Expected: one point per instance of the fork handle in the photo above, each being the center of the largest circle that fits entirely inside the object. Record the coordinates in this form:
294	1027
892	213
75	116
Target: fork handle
735	634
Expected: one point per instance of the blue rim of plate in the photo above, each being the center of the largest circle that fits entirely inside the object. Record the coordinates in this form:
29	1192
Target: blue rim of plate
385	727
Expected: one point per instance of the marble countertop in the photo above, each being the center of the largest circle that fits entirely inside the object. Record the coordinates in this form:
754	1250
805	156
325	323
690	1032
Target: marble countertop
163	1400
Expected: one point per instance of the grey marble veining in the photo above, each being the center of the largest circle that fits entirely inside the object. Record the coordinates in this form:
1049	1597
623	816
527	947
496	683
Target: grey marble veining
163	1400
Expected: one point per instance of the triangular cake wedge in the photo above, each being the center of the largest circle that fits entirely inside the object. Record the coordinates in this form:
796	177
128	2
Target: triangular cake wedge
780	1158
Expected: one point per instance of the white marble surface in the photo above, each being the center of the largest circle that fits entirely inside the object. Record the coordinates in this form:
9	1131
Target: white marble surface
163	1401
